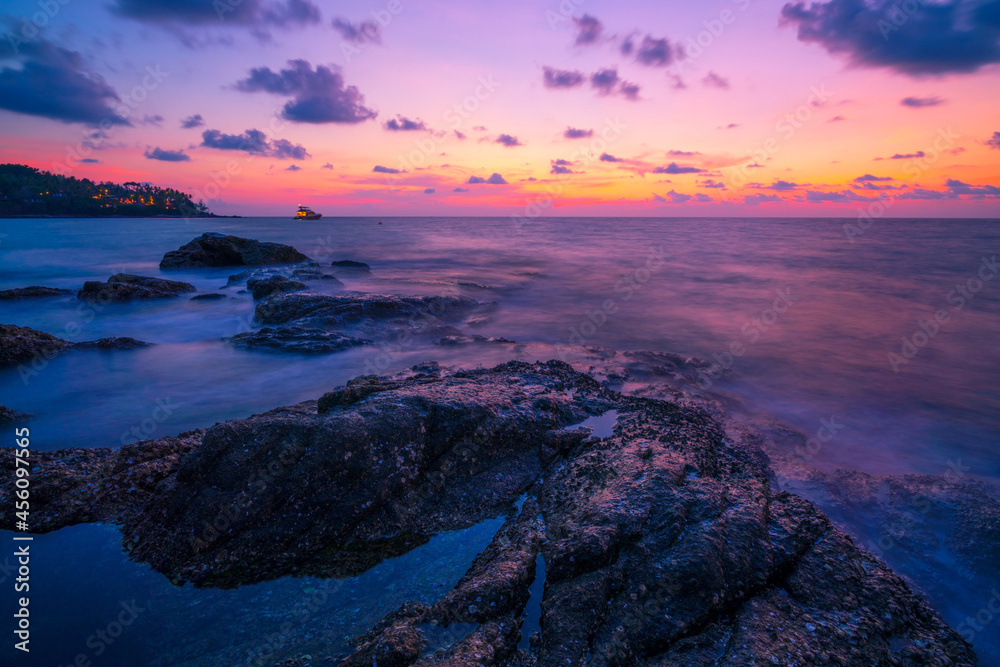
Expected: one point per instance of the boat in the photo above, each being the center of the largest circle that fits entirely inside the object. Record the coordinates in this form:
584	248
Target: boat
306	213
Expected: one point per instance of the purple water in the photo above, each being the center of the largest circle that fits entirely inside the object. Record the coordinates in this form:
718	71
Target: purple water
699	287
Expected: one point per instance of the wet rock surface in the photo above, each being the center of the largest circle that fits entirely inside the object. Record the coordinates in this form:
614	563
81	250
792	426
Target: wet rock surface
215	250
20	344
302	340
664	543
127	287
262	288
33	292
208	296
8	416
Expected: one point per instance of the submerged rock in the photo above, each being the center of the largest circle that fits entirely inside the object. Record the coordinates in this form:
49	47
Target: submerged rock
8	416
293	318
296	339
18	344
349	265
32	292
128	287
208	296
265	287
664	543
212	250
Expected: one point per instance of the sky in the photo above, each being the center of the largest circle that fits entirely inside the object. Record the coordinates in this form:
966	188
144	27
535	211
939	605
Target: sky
840	108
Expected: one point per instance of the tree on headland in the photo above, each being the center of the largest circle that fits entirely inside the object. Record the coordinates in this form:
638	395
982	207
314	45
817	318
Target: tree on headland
26	191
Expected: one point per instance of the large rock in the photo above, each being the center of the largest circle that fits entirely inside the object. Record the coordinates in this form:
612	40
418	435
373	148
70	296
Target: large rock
33	292
264	287
664	543
303	340
20	344
212	249
127	287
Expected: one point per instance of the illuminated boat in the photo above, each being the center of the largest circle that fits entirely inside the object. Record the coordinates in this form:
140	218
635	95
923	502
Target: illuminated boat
306	213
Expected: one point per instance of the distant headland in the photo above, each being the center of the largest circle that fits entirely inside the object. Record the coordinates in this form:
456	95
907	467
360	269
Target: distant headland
26	192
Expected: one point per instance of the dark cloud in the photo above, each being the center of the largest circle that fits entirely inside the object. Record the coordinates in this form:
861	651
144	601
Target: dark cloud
460	189
651	51
607	82
960	188
608	157
327	166
994	141
459	135
674	168
703	198
868	178
429	191
379	169
201	12
318	96
155	119
293	167
508	141
903	156
920	102
291	13
678	197
836	119
658	198
90	160
713	80
588	29
676	153
494	179
935	38
559	169
575	133
709	183
604	80
782	186
629	90
193	121
366	31
403	124
254	142
922	193
561	78
167	156
760	199
53	82
817	197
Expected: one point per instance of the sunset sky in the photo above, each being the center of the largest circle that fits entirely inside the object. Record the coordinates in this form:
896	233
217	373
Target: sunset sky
585	107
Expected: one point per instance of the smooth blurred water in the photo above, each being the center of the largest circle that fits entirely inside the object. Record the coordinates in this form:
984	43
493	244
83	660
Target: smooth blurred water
691	286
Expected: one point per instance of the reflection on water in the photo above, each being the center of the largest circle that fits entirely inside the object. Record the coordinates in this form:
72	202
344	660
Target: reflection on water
88	598
804	319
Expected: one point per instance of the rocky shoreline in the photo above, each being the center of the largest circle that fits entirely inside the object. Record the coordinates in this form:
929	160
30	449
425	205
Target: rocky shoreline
669	536
664	543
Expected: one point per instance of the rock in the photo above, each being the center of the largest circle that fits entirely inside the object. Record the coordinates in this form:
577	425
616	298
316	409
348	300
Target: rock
31	292
21	343
209	296
213	250
115	343
18	344
8	416
310	273
127	287
351	318
296	339
348	265
265	287
664	543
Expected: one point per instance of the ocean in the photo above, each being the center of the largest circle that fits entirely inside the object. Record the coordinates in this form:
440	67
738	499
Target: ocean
890	336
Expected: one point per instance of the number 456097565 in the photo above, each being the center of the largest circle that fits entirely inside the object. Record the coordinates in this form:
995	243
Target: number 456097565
22	452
